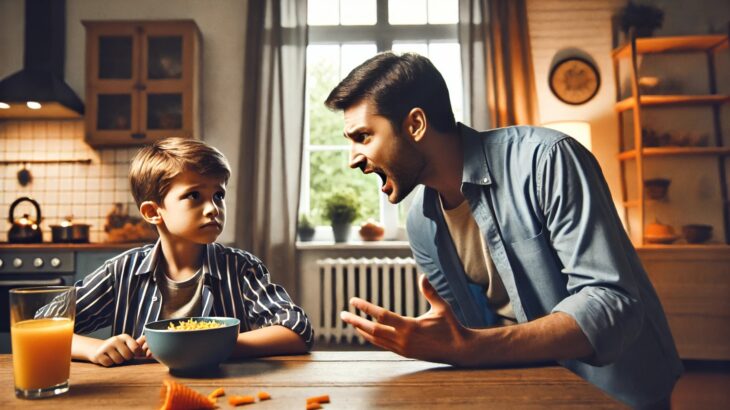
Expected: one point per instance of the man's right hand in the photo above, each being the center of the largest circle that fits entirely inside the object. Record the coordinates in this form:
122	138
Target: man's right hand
116	350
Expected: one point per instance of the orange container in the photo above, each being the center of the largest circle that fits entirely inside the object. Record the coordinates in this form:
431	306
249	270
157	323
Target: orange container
41	352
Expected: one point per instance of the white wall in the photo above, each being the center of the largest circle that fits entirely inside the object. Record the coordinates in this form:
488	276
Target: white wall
222	24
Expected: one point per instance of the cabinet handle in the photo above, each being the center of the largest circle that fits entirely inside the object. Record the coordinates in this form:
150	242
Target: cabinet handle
138	135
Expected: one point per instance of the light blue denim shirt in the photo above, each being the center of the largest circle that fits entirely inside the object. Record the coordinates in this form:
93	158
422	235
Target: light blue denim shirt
546	214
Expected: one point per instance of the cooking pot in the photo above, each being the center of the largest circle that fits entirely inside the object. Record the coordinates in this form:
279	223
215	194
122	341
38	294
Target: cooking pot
25	229
70	232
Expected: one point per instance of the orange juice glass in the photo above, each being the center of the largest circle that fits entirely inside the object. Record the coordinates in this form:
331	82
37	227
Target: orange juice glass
41	330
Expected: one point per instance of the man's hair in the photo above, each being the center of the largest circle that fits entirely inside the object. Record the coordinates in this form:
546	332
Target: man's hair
155	165
396	84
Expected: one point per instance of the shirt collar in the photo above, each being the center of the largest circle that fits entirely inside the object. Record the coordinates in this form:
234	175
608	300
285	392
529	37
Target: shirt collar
476	170
210	264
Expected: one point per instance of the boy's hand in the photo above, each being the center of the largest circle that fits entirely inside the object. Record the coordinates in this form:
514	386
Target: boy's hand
116	350
144	349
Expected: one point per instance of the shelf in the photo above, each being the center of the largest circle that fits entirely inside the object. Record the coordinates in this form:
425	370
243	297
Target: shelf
680	44
670	151
628	103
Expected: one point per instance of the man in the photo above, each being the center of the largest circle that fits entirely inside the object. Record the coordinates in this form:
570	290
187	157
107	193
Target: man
515	226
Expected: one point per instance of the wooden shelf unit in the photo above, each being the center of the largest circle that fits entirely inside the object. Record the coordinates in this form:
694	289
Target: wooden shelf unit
707	44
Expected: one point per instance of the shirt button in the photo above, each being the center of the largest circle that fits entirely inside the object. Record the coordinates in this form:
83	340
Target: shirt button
154	298
484	180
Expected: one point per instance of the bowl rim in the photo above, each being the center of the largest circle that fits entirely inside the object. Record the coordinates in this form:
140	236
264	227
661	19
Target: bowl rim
208	318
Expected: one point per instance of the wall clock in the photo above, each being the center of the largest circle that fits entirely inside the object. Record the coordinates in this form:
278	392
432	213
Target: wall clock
574	80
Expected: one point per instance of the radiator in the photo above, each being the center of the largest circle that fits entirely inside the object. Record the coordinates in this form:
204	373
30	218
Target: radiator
390	283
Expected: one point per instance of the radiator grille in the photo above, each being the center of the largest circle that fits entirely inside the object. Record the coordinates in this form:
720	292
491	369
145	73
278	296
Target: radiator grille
390	283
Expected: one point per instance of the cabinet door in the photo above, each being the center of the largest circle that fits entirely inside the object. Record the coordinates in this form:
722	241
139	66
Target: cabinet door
167	72
112	82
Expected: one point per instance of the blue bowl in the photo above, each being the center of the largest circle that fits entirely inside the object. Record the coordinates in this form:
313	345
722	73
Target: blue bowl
192	350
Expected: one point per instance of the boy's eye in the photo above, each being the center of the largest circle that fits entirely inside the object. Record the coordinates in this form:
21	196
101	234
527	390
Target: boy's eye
220	195
192	195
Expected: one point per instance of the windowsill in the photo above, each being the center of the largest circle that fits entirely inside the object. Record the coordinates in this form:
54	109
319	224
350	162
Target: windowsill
326	245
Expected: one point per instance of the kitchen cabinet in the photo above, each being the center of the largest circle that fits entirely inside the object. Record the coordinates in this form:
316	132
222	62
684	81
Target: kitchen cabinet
644	155
142	81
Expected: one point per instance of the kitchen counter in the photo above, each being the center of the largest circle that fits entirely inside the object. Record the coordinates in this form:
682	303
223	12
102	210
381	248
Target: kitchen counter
353	380
101	246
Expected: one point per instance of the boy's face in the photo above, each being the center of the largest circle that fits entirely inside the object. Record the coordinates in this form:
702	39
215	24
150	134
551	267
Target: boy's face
194	208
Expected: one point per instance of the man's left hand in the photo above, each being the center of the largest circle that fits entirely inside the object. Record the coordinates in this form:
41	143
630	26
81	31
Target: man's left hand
435	336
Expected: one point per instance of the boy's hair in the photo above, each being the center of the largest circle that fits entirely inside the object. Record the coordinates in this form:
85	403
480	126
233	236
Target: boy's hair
396	84
155	165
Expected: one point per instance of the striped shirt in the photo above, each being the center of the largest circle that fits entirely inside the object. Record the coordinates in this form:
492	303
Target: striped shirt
124	294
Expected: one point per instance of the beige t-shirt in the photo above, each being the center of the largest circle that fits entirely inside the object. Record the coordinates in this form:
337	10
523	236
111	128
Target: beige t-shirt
476	260
181	299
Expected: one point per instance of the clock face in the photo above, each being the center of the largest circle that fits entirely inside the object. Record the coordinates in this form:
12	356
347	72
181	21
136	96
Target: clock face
574	81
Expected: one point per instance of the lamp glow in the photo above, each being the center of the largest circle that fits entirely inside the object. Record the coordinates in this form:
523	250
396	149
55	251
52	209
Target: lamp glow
4	106
579	130
33	105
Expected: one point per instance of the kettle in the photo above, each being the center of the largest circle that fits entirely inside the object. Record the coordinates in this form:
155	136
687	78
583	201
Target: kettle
25	229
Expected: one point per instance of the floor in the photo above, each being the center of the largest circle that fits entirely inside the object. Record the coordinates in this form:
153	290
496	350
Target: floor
704	385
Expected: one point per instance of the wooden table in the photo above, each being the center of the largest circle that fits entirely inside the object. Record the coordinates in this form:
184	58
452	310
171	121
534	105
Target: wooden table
353	380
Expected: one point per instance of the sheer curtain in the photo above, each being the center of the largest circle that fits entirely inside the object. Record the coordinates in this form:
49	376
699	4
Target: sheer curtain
272	135
497	63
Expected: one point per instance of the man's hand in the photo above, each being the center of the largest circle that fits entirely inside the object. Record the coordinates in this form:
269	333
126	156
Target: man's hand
117	350
435	336
144	349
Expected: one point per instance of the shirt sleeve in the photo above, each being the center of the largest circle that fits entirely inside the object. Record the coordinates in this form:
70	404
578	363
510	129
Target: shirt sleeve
269	304
94	300
595	252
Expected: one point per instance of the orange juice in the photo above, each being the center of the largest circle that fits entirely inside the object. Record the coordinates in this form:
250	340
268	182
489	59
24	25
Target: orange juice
41	352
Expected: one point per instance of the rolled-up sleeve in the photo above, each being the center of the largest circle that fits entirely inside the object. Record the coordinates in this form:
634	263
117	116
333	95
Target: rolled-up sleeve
269	304
591	243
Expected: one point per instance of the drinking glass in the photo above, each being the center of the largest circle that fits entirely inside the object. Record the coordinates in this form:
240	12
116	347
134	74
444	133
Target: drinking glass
41	329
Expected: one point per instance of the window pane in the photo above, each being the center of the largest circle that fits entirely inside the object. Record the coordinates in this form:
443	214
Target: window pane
353	55
357	12
447	59
323	66
329	173
420	48
407	12
443	11
323	12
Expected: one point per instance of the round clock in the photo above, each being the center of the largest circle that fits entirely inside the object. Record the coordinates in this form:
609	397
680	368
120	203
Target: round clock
574	80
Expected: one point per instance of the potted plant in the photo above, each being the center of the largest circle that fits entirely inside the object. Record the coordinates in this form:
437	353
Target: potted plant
341	209
305	229
643	18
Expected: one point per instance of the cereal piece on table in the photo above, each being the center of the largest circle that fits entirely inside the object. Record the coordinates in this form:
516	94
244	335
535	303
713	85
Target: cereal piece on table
239	400
177	396
313	405
325	398
263	395
216	393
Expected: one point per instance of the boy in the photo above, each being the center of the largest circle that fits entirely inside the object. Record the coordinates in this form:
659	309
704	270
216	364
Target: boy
179	186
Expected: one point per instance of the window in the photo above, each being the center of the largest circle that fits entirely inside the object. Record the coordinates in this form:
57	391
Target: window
343	34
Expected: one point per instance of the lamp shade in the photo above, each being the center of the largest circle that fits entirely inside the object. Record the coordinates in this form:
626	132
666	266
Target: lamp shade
579	130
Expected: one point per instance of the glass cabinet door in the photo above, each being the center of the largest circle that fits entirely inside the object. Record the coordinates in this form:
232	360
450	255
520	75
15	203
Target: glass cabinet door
165	111
114	112
164	57
115	57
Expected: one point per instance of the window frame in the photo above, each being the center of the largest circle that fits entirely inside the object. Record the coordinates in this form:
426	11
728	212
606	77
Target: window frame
383	35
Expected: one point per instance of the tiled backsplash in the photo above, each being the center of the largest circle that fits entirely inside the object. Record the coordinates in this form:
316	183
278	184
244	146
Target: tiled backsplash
88	192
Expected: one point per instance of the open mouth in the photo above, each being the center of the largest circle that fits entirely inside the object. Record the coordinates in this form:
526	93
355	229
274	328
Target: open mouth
215	225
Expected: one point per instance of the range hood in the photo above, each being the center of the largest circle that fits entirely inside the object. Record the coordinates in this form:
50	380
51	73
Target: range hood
38	90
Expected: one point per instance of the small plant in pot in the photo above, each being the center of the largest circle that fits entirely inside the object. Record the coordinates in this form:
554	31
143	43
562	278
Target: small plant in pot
305	229
341	210
643	18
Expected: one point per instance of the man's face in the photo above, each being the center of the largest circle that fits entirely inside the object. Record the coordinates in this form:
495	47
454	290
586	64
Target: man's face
377	147
194	207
